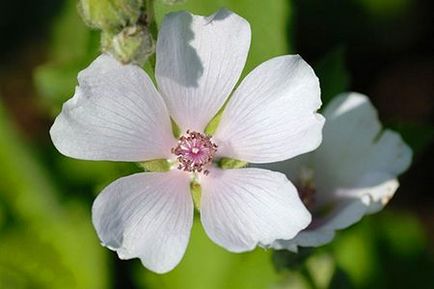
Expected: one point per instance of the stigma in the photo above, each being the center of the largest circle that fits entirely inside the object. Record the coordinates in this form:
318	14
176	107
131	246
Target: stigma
194	151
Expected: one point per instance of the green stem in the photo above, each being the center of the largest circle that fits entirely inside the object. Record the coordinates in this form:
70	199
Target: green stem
150	18
151	24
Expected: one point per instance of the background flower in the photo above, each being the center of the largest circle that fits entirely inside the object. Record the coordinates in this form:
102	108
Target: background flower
353	173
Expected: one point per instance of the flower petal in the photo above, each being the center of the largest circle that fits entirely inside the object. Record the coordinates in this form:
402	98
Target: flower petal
348	212
241	208
116	114
355	167
271	116
148	216
199	61
355	147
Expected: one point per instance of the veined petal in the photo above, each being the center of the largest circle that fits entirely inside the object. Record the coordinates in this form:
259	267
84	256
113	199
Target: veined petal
147	216
355	168
355	146
241	208
115	114
199	61
271	116
322	231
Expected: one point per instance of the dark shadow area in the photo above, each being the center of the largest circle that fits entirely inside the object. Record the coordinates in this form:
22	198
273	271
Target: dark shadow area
23	22
388	48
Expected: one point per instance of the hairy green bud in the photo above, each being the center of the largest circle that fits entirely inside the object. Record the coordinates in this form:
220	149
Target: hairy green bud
110	15
132	44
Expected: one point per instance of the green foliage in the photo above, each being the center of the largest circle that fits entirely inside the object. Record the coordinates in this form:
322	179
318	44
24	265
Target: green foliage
206	265
385	8
368	255
43	243
72	47
48	244
384	251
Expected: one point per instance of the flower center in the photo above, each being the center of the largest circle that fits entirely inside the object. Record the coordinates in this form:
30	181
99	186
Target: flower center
194	151
307	195
306	188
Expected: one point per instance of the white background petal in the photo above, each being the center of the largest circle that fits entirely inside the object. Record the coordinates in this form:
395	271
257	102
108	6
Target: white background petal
355	146
199	61
348	212
148	216
241	208
356	161
271	116
115	114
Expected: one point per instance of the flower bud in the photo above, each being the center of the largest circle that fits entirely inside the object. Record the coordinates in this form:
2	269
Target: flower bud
133	44
110	15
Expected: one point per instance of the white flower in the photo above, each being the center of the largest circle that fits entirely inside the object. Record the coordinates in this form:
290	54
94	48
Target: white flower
351	174
117	114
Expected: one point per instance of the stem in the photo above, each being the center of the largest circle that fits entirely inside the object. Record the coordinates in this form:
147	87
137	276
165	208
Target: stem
150	18
147	19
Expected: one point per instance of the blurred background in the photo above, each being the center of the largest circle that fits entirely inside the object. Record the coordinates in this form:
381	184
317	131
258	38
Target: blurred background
383	48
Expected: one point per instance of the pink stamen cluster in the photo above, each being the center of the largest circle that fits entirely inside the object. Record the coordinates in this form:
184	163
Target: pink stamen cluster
194	151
